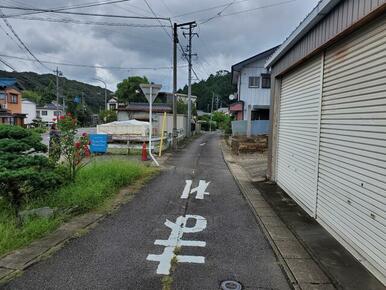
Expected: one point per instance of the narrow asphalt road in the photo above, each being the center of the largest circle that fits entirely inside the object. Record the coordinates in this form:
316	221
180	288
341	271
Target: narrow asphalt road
217	236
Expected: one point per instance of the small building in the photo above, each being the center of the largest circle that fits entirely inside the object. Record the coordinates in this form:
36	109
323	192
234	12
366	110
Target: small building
184	98
112	104
253	83
29	109
49	113
328	137
140	111
11	102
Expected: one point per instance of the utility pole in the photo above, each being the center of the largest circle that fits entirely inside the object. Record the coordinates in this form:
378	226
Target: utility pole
64	99
190	35
58	73
175	42
211	114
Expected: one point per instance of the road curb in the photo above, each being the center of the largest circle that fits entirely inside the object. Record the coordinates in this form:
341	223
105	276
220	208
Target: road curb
302	271
14	263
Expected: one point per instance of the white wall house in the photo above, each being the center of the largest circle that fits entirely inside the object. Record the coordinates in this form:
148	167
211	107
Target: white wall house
253	87
112	104
49	113
28	108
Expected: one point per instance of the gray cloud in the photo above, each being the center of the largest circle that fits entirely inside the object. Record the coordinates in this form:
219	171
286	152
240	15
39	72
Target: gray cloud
223	41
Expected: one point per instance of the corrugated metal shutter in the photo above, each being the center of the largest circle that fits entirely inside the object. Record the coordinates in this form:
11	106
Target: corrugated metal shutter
298	134
352	158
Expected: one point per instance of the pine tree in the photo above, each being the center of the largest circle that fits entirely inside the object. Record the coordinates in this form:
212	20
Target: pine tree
24	171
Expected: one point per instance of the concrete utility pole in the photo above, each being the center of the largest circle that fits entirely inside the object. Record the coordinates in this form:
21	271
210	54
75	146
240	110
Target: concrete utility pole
58	73
175	42
190	35
211	114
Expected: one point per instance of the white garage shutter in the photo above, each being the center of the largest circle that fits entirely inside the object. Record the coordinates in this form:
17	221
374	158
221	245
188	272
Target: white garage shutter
352	165
298	133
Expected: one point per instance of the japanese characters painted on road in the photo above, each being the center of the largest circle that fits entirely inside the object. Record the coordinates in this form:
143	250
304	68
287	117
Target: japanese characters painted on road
200	189
175	240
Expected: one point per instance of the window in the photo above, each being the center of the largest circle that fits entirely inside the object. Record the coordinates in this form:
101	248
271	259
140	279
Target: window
3	96
254	82
113	106
265	81
44	113
37	113
12	99
57	113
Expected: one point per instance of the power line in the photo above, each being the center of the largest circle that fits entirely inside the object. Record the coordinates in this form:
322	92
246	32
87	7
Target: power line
78	13
158	19
219	13
203	21
92	66
208	8
85	22
85	5
6	64
21	42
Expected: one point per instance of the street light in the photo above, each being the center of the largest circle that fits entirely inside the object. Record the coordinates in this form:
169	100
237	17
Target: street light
150	91
105	91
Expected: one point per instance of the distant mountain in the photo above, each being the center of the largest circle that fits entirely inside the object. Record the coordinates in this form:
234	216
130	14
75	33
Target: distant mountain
45	85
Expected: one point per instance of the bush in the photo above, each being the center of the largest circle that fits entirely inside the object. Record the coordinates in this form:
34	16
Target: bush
108	116
23	171
97	183
73	150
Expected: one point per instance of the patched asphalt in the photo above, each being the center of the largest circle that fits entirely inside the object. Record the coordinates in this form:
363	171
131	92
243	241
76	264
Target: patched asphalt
113	255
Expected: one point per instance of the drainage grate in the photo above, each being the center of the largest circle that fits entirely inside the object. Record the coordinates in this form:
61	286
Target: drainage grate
231	285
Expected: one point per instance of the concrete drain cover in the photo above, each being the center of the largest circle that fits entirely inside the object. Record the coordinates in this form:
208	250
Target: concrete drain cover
231	285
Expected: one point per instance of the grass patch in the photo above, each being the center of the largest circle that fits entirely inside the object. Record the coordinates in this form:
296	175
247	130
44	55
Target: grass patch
95	185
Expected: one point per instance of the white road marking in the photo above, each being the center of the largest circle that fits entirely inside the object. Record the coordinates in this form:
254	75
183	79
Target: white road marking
202	144
200	189
175	240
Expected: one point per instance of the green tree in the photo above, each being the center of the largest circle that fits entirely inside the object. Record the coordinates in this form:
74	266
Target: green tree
33	96
218	84
129	91
108	116
22	171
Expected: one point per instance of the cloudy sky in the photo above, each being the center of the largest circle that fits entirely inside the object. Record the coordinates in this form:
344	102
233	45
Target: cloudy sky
229	31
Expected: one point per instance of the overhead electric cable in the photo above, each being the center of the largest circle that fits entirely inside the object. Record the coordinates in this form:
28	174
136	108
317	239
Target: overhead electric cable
85	22
208	8
79	13
85	5
219	13
90	66
21	41
203	21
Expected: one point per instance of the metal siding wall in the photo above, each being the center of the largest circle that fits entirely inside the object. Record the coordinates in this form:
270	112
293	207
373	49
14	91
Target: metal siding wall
298	133
352	160
343	16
